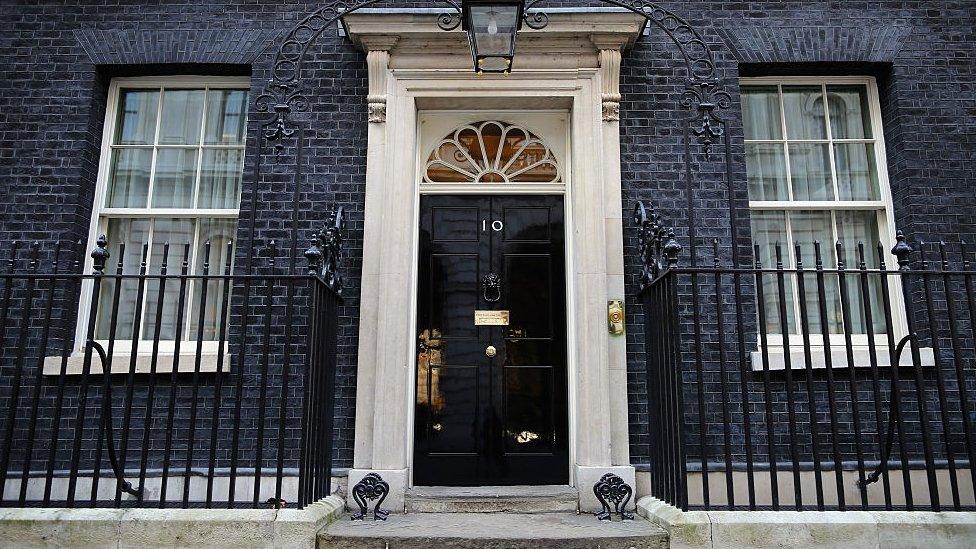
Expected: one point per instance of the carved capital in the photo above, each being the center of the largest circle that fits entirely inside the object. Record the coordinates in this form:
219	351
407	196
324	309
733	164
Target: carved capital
377	109
610	83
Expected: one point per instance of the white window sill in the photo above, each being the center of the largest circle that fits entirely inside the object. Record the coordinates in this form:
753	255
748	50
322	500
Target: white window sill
121	360
838	356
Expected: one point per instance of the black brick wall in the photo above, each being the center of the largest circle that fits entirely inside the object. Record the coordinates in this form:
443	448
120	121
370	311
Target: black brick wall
56	59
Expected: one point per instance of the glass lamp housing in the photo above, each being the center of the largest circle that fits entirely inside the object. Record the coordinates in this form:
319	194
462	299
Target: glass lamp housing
491	26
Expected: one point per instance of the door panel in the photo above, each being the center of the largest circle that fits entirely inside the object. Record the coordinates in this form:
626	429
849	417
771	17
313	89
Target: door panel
484	420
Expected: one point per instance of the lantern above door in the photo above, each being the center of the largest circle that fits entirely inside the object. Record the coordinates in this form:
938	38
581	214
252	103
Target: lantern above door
491	26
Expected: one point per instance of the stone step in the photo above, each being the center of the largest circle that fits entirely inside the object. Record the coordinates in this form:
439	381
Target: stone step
492	531
491	499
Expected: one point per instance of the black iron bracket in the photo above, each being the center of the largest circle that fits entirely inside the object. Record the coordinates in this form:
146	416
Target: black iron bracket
371	487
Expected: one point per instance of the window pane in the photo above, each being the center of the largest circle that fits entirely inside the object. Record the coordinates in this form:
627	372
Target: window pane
760	112
766	171
136	117
134	233
809	227
810	171
128	184
850	117
853	228
176	170
804	112
225	117
768	231
220	178
857	177
219	232
181	117
177	232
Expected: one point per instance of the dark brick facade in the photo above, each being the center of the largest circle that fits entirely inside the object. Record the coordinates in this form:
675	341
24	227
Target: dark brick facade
57	58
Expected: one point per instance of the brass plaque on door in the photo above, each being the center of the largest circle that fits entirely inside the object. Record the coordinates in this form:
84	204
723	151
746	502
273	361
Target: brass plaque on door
491	318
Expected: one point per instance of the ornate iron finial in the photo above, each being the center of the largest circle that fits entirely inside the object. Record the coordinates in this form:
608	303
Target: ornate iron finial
671	249
330	241
656	245
100	254
705	96
901	250
612	488
313	254
371	487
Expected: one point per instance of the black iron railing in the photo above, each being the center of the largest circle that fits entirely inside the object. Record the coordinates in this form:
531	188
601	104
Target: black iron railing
166	385
745	417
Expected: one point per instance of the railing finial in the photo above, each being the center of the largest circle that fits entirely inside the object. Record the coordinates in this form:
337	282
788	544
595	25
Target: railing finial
100	254
901	250
671	249
314	256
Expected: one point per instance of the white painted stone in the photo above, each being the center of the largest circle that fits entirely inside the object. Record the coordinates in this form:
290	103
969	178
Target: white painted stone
787	529
898	529
685	530
119	528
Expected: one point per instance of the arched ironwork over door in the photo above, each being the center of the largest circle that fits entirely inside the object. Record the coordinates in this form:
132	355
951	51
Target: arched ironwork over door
703	96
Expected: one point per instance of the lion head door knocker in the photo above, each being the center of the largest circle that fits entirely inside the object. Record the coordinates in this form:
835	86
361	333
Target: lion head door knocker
611	488
491	287
371	487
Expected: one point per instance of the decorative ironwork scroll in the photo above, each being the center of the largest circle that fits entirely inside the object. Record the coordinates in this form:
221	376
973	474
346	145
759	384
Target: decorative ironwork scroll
612	489
656	245
702	93
371	487
100	256
451	20
325	252
284	94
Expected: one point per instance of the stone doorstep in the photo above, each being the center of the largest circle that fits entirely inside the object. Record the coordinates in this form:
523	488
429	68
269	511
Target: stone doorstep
492	531
167	528
492	499
810	529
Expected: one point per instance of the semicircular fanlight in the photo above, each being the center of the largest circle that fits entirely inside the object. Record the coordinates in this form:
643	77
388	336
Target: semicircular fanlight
491	152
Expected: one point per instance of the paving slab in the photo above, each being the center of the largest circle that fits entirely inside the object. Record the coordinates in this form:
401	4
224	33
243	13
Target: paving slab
492	531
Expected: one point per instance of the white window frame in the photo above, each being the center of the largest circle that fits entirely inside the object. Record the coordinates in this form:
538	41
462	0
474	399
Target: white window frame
886	224
100	214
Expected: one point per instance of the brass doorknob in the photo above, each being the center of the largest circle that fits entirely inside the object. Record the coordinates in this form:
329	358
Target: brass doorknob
490	351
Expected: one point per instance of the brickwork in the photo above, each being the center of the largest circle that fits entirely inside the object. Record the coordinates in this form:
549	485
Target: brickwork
57	58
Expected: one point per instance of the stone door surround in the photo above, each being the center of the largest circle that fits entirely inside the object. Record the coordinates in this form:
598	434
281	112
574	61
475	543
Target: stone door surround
573	64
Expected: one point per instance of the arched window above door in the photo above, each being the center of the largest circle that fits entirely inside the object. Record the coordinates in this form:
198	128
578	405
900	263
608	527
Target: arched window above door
491	152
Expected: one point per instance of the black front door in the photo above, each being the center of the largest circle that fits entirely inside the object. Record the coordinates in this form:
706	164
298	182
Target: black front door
491	392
